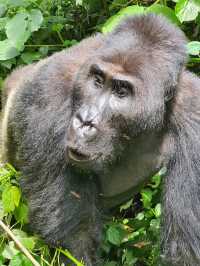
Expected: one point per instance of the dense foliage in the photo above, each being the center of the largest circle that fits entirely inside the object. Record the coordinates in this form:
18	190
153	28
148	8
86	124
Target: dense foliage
33	29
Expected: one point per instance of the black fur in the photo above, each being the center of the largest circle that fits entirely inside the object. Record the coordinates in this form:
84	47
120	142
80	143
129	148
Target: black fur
60	105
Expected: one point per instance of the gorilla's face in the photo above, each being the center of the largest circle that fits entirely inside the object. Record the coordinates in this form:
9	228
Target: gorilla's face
110	107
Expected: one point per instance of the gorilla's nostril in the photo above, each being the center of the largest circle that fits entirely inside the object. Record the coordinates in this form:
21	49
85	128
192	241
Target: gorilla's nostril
89	131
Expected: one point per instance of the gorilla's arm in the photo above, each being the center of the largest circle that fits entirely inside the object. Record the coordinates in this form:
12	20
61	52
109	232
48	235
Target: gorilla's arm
181	199
35	141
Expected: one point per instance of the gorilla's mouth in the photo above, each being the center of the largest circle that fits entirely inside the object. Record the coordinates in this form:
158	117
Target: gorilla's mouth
78	156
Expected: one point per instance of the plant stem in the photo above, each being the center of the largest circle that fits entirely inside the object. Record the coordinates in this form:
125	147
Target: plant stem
18	243
69	256
44	45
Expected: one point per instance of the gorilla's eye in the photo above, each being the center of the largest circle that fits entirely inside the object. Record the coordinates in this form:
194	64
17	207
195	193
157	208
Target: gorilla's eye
121	88
98	80
97	75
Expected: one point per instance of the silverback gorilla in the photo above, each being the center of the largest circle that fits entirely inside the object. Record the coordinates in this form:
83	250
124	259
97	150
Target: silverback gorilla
89	124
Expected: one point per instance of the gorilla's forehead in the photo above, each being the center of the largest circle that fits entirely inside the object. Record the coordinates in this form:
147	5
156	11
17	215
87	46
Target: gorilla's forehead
125	55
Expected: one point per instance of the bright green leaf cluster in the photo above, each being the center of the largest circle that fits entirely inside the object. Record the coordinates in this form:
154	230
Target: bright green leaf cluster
18	30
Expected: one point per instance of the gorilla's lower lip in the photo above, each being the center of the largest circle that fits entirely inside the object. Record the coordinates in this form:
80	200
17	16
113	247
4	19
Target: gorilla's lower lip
77	156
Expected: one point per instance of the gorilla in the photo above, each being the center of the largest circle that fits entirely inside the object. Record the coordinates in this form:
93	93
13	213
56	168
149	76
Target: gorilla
88	125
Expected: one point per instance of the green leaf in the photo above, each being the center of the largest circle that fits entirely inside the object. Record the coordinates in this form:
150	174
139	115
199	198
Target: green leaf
115	235
187	10
79	2
146	197
68	43
44	50
128	257
164	10
20	36
20	260
140	216
113	21
8	64
10	198
2	260
156	179
36	19
157	210
193	48
57	27
7	50
10	251
28	242
18	3
155	224
19	233
28	57
21	213
126	205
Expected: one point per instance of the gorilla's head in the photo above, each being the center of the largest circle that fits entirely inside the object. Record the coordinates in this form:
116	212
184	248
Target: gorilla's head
120	93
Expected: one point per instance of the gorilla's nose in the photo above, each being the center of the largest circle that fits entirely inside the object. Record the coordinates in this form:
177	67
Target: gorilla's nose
84	126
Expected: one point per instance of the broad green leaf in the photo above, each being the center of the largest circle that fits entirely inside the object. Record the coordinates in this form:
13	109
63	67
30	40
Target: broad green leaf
10	251
20	260
2	260
79	2
193	48
146	197
164	10
129	258
28	57
57	27
19	233
10	198
36	19
28	242
113	21
20	3
17	30
7	50
140	216
156	179
8	64
158	210
155	224
44	50
69	43
133	235
115	235
187	10
21	213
